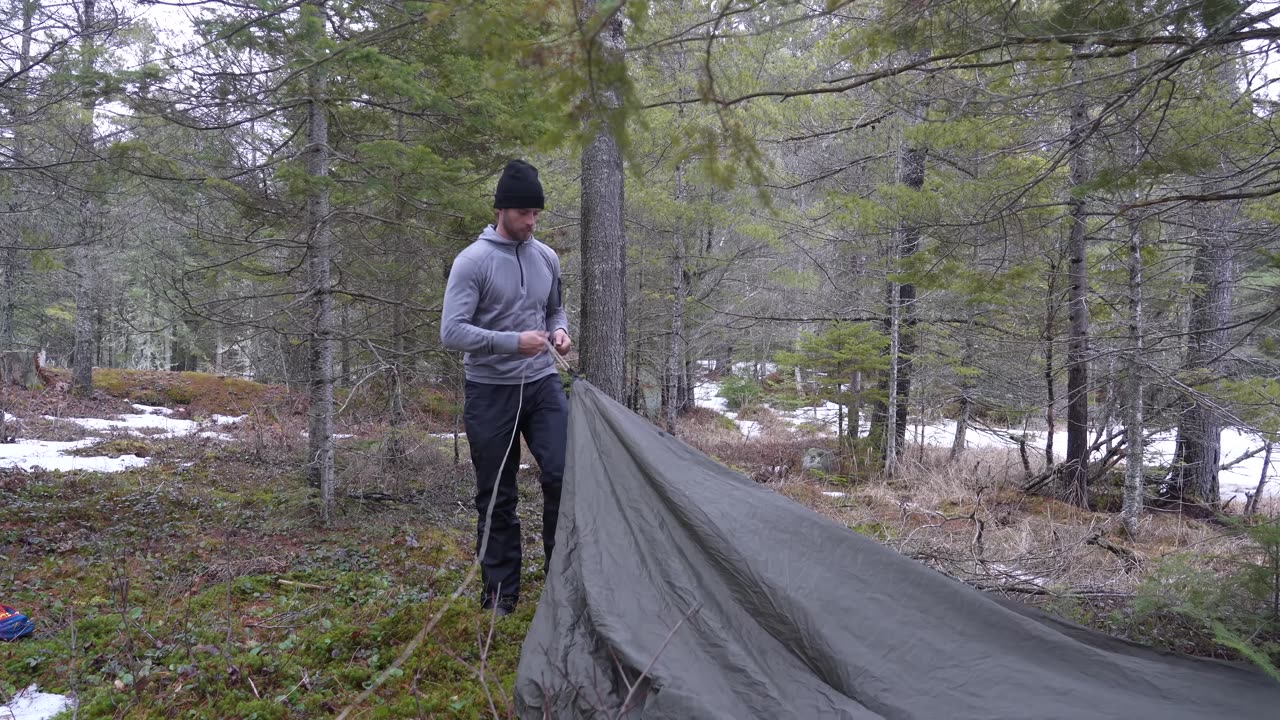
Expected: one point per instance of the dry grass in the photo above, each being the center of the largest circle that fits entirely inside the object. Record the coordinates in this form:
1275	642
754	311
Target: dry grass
970	519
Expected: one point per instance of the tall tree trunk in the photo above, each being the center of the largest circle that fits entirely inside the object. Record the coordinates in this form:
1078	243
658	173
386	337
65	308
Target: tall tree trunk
635	395
966	392
83	266
344	376
1131	511
603	338
686	377
1050	337
1135	439
404	286
912	177
1075	475
395	452
676	348
11	281
321	251
855	408
891	446
1251	506
1199	444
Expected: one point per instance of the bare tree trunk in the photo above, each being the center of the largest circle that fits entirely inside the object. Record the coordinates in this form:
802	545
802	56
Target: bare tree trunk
855	408
912	177
12	272
12	275
1251	507
321	251
1135	460
344	376
891	436
83	266
1131	511
1075	476
1050	337
966	395
603	341
686	378
676	348
83	269
395	441
1199	444
635	396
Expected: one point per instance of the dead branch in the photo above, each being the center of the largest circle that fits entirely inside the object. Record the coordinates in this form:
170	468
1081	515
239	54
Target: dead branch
1127	557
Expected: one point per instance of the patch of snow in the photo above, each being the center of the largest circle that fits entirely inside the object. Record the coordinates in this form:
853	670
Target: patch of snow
1158	450
1237	480
831	493
746	369
48	454
749	428
31	704
212	436
131	424
707	395
31	454
228	419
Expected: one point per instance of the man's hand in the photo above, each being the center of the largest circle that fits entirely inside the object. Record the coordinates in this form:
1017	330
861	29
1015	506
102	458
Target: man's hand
560	339
532	342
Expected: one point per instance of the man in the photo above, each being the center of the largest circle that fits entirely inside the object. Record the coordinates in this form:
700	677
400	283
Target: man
501	305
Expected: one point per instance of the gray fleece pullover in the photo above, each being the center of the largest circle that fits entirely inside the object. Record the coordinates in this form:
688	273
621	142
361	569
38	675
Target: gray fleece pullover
497	289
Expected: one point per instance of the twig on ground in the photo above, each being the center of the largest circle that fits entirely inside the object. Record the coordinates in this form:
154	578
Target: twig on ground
1127	557
295	583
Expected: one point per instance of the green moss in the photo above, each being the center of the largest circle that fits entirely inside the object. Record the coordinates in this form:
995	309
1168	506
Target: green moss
116	448
204	393
874	530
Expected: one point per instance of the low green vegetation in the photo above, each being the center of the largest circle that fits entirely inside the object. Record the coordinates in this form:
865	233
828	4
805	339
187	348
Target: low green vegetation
200	587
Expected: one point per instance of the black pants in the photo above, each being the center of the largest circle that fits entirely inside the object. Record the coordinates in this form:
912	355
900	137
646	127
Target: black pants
490	414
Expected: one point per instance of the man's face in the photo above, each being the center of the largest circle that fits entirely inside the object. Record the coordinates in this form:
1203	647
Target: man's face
517	223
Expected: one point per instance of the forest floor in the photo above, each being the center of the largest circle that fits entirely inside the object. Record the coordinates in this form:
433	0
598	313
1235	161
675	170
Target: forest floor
193	580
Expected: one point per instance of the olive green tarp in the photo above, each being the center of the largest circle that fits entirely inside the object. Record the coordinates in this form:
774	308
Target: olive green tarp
681	589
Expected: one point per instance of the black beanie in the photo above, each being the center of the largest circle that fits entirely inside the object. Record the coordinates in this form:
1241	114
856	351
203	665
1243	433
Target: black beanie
519	187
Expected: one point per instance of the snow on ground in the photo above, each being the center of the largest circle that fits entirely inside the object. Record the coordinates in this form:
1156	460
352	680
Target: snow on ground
151	419
707	395
1236	480
152	409
31	704
31	454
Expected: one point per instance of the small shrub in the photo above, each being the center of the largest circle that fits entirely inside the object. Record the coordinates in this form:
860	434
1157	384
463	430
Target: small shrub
1182	602
739	392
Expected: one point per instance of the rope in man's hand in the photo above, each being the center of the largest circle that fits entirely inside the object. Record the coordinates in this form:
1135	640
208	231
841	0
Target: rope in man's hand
558	357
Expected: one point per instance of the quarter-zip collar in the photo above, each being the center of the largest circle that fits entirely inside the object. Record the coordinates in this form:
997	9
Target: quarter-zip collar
491	234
